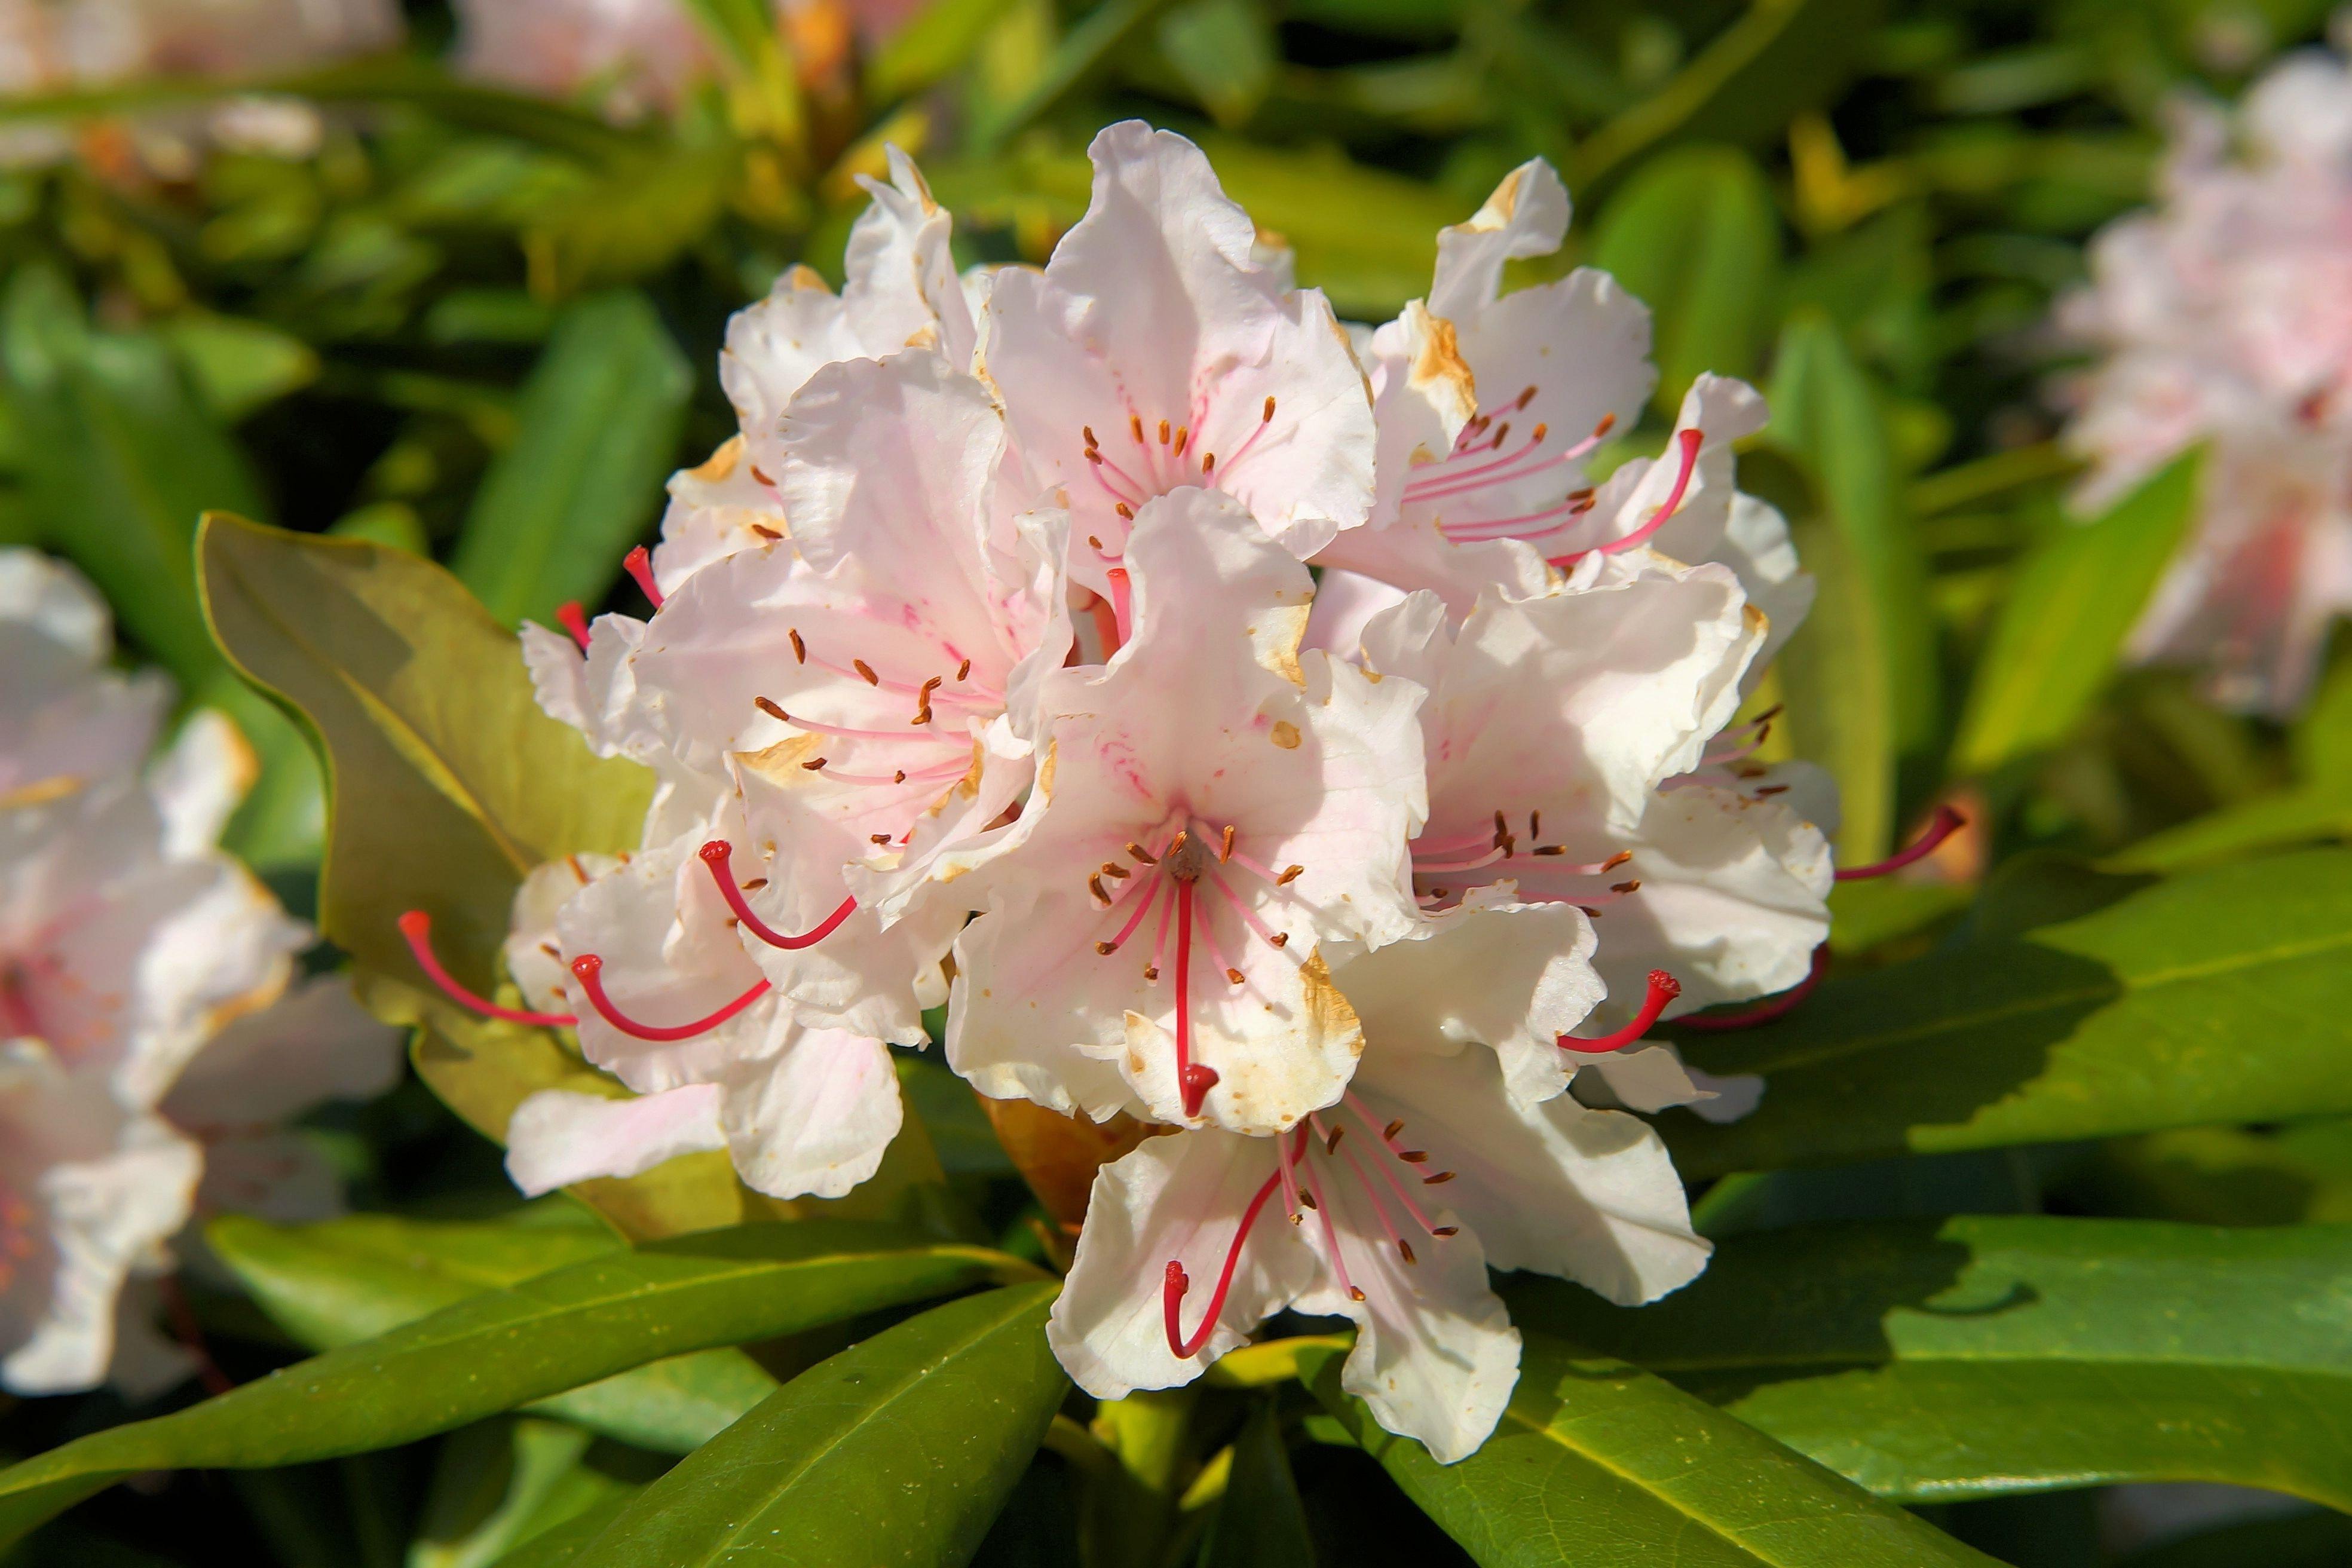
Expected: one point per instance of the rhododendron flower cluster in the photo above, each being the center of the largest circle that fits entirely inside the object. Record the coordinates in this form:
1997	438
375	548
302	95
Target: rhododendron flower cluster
1274	731
153	1032
2225	317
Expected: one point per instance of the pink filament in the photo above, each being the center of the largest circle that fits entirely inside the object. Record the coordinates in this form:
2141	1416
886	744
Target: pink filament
589	969
715	856
1691	440
417	927
1663	988
1947	823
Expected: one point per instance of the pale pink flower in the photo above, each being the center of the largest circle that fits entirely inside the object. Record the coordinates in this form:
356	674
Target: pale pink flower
2225	316
631	57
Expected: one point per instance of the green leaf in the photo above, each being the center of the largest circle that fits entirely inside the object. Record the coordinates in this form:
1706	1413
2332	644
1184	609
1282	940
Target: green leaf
502	1484
346	1280
1833	678
898	1451
2063	623
600	419
1365	237
1694	235
1598	1464
1826	411
1077	59
2214	997
1225	52
938	39
239	365
1260	1522
448	783
1984	1355
560	1545
506	1347
121	457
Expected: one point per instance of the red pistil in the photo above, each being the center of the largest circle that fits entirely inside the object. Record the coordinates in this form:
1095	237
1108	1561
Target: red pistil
1691	441
1175	1281
569	617
640	565
417	927
1765	1011
1194	1079
1663	988
714	855
1947	823
589	969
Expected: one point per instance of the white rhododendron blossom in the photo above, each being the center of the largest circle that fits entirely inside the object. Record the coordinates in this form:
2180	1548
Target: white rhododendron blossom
2225	316
987	666
634	55
153	1034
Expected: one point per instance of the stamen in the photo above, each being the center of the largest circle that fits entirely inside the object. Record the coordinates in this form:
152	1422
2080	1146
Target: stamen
800	648
1142	855
1142	908
417	926
1663	989
715	856
1183	434
1163	432
639	564
1226	850
923	700
963	670
1174	1283
589	969
1289	874
569	616
1331	1236
1947	823
866	671
1691	440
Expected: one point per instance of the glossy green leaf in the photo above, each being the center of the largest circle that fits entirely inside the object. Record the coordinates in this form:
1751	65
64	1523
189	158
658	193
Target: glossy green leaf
560	1546
506	1347
448	783
1985	1355
2213	997
1260	1522
898	1451
503	1484
1601	1465
2063	623
598	436
119	459
1694	235
1826	410
345	1280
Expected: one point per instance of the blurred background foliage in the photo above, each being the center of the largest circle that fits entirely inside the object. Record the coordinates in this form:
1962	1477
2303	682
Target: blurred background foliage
484	327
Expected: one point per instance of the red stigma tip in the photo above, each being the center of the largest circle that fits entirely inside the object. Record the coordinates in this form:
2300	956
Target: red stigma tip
416	927
589	969
1663	989
715	856
569	617
1174	1282
1947	823
639	564
1196	1081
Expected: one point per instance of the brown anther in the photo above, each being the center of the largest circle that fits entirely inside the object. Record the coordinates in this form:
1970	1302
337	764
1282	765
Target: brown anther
814	764
1331	1144
578	871
1088	432
1438	1180
1526	397
1478	423
1534	438
1267	417
1305	1200
1633	887
1113	869
761	478
1617	860
1550	849
1280	939
866	669
1447	1230
1234	975
963	670
1226	850
1584	495
1143	857
1094	541
897	775
1094	885
1094	457
552	951
764	532
1590	911
877	838
771	711
1354	1294
1502	434
1163	432
1208	462
755	884
1771	789
1534	825
1183	434
1393	1128
923	700
1124	510
1289	873
1105	948
1608	422
1135	427
1405	1248
1413	1156
800	648
1151	972
1502	828
1437	892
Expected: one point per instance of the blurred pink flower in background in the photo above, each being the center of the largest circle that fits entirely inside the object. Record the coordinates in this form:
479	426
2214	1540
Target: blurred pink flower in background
2225	316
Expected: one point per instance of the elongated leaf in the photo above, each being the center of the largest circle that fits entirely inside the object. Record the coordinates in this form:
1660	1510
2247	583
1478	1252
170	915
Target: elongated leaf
1836	681
1365	237
506	1347
1598	1464
2064	622
500	1484
1260	1522
2214	997
598	426
346	1280
120	459
898	1450
1985	1355
1694	236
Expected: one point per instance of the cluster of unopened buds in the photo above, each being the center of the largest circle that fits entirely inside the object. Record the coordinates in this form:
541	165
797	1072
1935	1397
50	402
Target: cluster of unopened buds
1259	726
